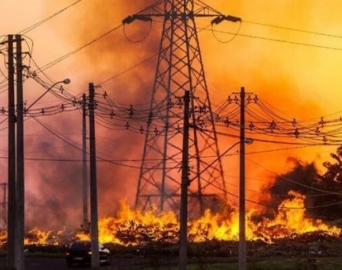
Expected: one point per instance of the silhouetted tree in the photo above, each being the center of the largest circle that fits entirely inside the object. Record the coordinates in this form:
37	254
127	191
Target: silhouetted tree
323	192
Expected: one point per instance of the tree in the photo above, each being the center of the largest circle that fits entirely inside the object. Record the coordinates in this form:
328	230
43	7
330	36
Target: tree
323	192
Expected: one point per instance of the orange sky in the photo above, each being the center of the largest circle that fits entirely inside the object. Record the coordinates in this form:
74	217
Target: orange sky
301	81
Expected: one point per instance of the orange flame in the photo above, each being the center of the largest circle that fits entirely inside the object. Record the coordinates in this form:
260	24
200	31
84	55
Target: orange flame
134	227
290	221
41	237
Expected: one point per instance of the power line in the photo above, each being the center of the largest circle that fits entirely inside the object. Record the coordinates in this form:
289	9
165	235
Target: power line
280	40
30	28
294	29
56	61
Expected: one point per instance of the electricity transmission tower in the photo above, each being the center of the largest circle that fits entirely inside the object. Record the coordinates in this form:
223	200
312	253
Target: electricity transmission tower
179	69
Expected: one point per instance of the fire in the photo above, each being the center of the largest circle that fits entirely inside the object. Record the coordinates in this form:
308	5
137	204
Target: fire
40	237
290	221
214	226
133	227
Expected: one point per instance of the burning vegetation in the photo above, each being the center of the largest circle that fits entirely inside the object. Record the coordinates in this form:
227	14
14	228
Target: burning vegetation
135	228
279	223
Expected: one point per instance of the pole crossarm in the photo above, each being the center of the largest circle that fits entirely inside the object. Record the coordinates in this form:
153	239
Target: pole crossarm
199	9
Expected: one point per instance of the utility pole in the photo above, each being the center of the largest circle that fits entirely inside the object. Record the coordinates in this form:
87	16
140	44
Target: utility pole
183	230
20	161
16	183
242	202
11	210
84	166
95	263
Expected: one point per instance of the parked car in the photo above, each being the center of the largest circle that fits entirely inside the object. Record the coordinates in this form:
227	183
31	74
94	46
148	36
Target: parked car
79	252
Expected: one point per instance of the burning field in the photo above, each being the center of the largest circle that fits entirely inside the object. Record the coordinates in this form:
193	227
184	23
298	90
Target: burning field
136	229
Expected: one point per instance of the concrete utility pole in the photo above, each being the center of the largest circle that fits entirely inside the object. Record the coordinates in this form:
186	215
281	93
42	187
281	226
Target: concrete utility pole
16	183
84	165
11	210
183	231
242	202
95	262
20	161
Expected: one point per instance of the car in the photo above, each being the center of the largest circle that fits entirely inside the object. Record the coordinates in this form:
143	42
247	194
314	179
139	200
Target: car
79	252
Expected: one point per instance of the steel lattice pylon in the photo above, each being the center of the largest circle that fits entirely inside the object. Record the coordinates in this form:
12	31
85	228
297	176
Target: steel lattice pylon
179	69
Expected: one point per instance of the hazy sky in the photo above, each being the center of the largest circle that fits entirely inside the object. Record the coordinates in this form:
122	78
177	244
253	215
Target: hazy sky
287	52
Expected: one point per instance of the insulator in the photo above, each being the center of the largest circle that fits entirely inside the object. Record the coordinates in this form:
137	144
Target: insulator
317	131
229	100
127	125
128	20
112	114
105	94
62	107
131	111
249	99
251	126
325	139
217	20
141	130
42	111
227	122
294	122
273	125
296	133
232	18
3	110
256	98
156	131
150	116
61	89
321	122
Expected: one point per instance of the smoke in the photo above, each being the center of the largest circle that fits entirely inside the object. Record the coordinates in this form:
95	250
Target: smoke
54	171
55	188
